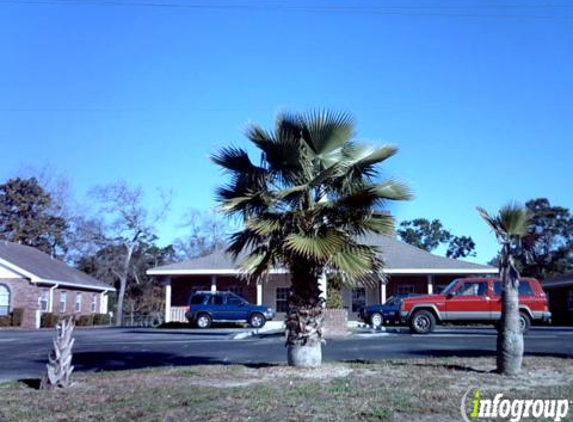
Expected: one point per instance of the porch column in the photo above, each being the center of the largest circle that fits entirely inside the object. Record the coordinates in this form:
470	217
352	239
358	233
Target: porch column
322	287
382	293
430	284
168	300
213	283
259	293
103	303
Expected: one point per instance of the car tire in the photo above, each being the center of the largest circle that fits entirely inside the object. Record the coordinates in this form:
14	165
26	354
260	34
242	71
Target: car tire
203	321
524	322
257	320
376	320
422	322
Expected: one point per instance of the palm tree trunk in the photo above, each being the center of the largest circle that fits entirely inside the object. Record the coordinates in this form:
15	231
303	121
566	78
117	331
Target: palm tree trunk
510	337
304	319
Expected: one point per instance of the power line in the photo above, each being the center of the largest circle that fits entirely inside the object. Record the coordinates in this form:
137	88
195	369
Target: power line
457	11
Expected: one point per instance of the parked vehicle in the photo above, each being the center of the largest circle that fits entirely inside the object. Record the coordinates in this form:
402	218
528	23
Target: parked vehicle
470	300
387	313
205	307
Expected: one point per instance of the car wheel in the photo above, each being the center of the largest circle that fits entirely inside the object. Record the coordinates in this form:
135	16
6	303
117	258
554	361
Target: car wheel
203	321
257	320
524	322
422	322
376	319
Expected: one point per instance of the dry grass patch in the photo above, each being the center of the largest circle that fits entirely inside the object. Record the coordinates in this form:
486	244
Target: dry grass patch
421	390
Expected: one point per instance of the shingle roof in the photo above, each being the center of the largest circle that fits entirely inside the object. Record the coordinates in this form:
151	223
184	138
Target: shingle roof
45	268
562	280
399	257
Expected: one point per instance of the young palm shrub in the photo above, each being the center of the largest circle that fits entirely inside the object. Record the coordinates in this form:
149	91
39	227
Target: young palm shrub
511	227
59	366
305	207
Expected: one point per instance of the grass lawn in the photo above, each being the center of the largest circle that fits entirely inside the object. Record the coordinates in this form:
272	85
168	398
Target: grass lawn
413	390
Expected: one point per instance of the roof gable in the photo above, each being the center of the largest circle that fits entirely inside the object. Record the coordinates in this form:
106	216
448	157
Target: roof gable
40	267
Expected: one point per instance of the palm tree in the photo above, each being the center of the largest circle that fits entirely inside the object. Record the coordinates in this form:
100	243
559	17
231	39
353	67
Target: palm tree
304	209
511	227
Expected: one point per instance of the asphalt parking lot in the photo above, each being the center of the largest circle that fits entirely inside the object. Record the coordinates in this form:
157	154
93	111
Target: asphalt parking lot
24	352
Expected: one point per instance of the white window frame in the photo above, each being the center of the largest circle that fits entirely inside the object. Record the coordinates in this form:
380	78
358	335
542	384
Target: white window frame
8	296
78	302
44	300
94	303
63	301
282	299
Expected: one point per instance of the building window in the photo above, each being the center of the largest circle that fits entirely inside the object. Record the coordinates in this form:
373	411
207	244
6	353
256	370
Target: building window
94	303
405	289
570	301
4	300
63	301
282	295
358	299
78	303
44	300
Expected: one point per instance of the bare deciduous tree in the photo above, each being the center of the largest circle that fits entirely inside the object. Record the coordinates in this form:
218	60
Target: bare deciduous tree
207	232
123	224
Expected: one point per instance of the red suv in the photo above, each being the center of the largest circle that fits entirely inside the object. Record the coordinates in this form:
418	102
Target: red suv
473	300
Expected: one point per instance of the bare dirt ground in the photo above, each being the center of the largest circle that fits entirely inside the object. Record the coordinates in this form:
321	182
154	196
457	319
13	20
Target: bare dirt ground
413	390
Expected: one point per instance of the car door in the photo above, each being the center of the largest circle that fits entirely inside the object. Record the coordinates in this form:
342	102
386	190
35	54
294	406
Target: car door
217	307
237	307
470	301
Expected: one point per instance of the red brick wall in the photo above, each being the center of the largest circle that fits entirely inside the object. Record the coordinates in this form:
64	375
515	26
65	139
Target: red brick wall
86	304
24	294
182	286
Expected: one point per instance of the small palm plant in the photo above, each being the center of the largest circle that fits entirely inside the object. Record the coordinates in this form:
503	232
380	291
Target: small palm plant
512	229
304	209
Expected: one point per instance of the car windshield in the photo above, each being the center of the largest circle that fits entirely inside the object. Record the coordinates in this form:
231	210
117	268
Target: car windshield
393	300
234	299
448	289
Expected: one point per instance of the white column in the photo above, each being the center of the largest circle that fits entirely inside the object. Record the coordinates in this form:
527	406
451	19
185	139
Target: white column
430	284
168	300
259	293
322	286
382	292
213	283
103	303
51	298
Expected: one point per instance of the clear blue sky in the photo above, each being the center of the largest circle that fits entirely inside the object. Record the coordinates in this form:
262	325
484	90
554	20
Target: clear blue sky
477	94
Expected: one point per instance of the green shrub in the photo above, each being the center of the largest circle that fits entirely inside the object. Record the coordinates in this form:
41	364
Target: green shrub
5	320
101	319
334	299
85	321
17	317
48	320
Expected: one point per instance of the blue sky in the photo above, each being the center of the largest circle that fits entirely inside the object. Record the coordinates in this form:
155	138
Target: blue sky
477	95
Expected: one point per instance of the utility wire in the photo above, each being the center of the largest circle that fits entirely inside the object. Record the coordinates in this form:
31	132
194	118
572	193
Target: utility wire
457	11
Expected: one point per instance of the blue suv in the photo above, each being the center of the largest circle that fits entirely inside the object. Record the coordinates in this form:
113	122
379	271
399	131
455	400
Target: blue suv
205	307
389	312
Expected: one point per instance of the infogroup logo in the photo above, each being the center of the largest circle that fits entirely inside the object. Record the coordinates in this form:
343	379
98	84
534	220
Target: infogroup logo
513	410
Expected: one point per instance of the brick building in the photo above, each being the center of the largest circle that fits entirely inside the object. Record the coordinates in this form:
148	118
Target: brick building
37	283
409	270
